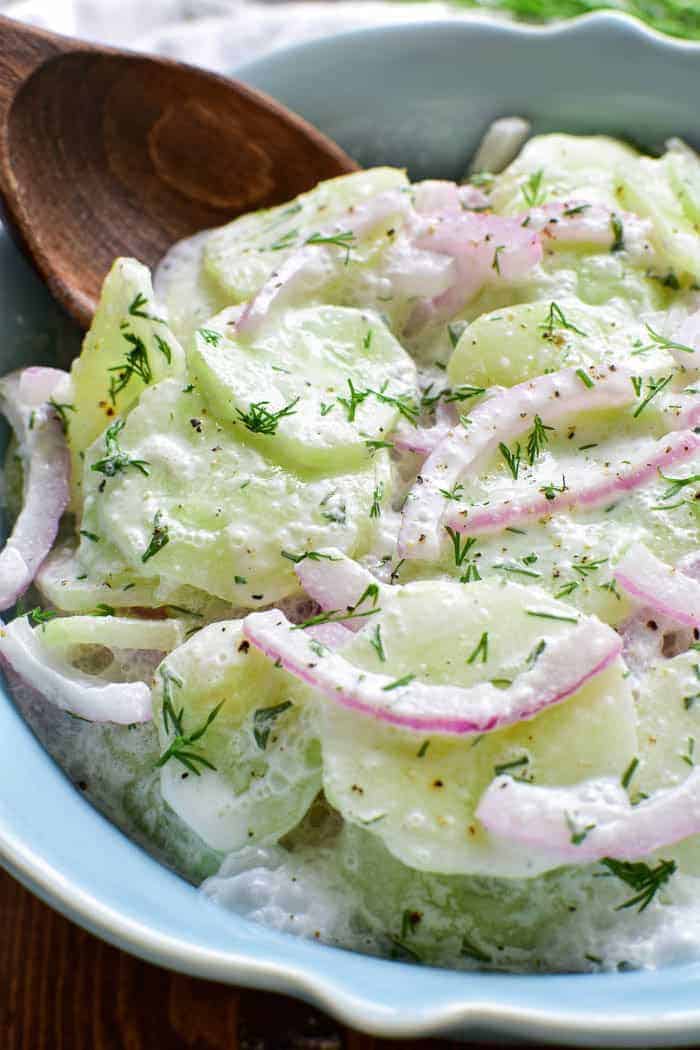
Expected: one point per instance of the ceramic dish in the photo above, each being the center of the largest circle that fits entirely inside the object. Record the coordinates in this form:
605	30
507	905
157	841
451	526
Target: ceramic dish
418	96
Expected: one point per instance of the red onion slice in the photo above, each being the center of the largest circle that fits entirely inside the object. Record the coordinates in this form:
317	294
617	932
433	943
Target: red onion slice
67	688
566	664
597	490
331	635
688	335
581	222
46	463
487	249
422	440
659	585
336	582
307	268
591	820
499	418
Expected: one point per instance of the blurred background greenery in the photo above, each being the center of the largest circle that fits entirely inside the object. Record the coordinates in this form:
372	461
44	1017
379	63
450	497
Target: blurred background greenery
677	17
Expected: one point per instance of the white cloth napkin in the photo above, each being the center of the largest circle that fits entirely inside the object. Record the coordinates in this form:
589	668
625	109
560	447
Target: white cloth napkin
218	34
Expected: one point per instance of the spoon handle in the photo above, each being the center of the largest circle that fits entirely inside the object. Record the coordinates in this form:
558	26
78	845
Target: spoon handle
23	49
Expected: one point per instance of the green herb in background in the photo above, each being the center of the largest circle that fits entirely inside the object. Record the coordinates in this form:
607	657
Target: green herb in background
677	17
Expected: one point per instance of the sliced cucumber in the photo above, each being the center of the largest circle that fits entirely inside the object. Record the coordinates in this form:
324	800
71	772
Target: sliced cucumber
560	167
113	632
572	553
127	348
281	391
668	713
262	742
213	513
241	256
512	344
650	188
419	796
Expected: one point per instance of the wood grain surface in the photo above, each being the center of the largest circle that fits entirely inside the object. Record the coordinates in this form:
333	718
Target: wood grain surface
63	989
105	153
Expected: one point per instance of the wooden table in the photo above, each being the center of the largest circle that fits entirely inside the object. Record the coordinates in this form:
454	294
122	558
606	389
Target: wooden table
63	989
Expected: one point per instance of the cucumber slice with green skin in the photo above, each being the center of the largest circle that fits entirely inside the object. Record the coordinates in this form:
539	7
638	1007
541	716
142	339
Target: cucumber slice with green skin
683	167
114	632
510	345
126	330
226	536
66	584
241	256
418	796
650	188
302	364
263	741
668	713
541	924
584	167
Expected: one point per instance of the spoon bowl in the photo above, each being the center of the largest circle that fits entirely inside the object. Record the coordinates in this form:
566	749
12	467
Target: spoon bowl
106	153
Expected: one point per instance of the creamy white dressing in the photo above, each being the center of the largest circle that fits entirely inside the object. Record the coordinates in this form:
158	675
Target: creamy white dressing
260	383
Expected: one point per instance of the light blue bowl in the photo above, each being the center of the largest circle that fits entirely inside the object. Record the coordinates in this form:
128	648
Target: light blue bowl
418	96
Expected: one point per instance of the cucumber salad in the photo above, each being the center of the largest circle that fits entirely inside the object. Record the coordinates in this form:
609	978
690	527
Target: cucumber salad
355	566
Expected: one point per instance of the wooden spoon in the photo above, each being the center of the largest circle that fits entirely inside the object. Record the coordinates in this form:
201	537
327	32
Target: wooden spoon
106	153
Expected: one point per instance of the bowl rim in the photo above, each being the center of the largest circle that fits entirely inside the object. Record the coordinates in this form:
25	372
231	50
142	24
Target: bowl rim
477	1009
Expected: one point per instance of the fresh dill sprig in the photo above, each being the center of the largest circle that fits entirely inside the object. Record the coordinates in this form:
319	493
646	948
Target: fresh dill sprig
584	568
345	239
61	411
159	538
567	589
664	343
551	491
537	439
460	550
264	719
481	650
310	555
115	459
376	509
556	319
398	683
135	363
512	458
259	420
618	232
181	747
354	398
642	878
505	767
38	616
136	309
676	485
209	336
535	654
532	190
543	615
463	392
406	405
654	387
626	778
169	678
578	834
455	493
375	640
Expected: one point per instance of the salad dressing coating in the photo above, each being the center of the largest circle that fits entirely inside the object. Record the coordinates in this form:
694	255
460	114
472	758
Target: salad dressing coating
358	460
